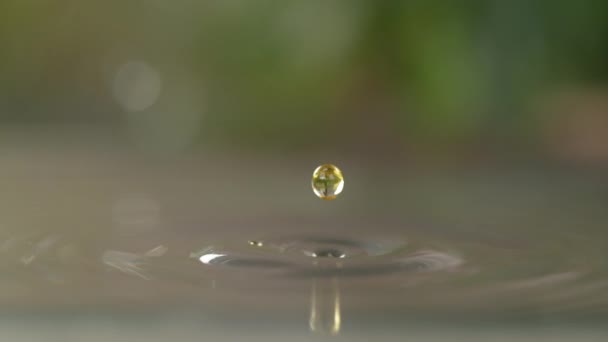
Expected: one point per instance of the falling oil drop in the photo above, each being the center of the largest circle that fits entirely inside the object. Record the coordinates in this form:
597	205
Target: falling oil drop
327	181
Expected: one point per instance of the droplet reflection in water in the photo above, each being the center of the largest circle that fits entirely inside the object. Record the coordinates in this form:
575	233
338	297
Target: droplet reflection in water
327	181
325	312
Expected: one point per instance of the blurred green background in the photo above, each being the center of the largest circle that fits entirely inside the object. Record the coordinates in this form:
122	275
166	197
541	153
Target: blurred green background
246	98
372	78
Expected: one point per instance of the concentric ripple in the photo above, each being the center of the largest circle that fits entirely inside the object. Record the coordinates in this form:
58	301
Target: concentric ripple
315	256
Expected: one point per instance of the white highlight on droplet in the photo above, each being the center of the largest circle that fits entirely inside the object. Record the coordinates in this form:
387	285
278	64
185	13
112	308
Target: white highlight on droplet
207	258
136	86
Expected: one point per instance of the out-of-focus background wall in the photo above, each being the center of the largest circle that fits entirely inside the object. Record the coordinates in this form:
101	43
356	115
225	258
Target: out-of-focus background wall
379	79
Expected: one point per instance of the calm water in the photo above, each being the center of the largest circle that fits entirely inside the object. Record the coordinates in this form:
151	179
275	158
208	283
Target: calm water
97	244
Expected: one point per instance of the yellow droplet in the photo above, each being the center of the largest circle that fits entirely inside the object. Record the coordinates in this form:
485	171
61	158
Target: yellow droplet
327	181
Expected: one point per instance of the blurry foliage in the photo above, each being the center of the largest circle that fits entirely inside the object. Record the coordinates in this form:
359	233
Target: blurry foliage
297	73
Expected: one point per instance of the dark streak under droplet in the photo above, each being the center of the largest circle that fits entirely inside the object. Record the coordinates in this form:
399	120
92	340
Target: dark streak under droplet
328	253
